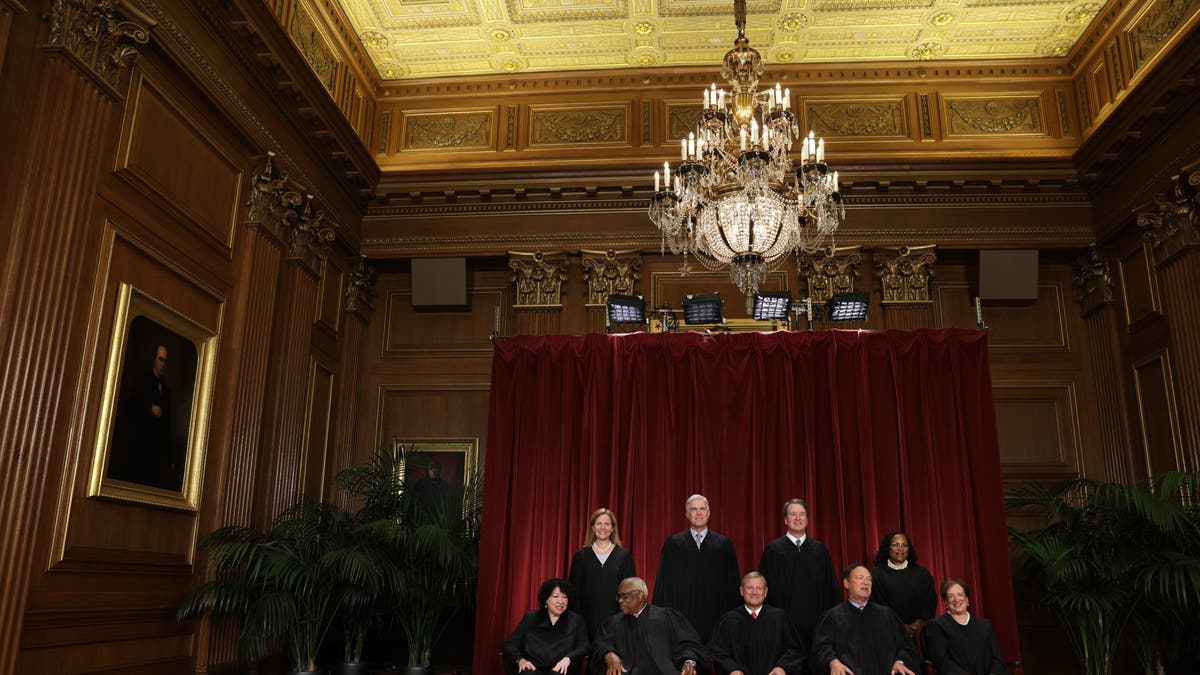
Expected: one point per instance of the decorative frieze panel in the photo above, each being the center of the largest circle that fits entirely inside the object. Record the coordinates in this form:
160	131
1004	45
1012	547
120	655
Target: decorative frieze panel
312	45
994	116
1152	29
450	130
882	118
279	205
1171	222
578	125
830	272
1094	280
360	291
97	36
538	277
905	273
682	117
610	272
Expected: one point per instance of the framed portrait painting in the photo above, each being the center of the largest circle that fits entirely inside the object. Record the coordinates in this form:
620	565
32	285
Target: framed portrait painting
441	467
154	410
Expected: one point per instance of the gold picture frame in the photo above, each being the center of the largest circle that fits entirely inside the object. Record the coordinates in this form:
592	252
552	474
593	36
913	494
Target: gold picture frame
458	458
152	432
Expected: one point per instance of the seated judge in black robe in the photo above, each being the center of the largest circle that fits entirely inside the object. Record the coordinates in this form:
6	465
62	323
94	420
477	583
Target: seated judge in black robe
861	637
598	568
552	639
700	580
646	640
900	583
799	572
960	643
755	639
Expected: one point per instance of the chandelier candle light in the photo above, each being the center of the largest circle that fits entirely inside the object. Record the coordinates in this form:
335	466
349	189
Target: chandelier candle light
734	199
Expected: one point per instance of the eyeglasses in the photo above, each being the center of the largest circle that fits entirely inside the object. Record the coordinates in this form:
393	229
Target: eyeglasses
900	544
626	594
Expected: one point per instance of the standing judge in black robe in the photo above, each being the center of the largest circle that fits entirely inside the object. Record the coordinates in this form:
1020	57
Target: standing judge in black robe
799	572
960	643
646	640
598	568
698	571
902	584
549	640
861	637
755	639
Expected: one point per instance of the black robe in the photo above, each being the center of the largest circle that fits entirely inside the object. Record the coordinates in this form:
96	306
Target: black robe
702	583
756	646
868	642
545	644
908	591
801	582
596	584
657	642
972	649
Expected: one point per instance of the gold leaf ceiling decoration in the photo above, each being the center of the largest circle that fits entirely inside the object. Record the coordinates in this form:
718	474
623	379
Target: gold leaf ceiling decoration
439	38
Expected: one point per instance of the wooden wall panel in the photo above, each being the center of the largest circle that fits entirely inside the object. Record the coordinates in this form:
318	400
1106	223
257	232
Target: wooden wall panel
329	296
1040	325
459	332
1038	428
166	152
319	419
1158	413
1139	284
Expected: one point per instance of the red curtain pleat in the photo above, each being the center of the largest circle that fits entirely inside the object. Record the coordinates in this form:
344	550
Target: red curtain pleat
876	430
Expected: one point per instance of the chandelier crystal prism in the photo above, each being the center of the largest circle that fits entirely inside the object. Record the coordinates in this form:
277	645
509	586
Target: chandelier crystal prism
736	200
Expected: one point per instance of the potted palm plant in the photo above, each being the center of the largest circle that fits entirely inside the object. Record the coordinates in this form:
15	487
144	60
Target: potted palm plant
282	583
1115	562
434	545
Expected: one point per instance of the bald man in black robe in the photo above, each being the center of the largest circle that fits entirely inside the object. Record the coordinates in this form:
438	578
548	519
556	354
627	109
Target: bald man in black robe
699	579
755	639
861	637
646	640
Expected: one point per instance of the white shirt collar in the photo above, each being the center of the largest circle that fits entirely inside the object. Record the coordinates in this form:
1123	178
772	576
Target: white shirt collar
797	541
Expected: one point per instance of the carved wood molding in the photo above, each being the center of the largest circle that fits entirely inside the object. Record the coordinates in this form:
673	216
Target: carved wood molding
101	37
610	272
1094	280
277	203
360	291
829	272
905	272
539	278
1170	223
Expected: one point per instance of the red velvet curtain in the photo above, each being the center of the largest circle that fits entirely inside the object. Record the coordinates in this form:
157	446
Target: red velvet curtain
877	431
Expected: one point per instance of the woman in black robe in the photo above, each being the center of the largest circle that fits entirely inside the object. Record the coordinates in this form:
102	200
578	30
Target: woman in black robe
959	643
598	568
549	640
902	584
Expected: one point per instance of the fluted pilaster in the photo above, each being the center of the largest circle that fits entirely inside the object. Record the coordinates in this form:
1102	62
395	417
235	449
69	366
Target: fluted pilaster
51	251
1172	226
1097	302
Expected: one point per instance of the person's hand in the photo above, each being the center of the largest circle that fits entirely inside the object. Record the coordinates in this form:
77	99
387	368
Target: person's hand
615	667
689	668
898	668
836	667
562	665
525	664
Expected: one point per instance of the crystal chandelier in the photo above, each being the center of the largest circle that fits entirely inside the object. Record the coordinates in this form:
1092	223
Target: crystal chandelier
734	199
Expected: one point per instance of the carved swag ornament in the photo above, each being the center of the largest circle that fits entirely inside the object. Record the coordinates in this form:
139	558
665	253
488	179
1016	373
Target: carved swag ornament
1093	280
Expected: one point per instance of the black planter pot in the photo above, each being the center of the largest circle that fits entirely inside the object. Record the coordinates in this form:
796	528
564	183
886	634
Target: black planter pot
359	668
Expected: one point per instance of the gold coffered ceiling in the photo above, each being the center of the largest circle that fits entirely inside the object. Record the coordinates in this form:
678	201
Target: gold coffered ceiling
437	38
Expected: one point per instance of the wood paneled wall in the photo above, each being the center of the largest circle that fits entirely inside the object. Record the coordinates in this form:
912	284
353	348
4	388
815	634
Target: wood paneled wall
153	173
